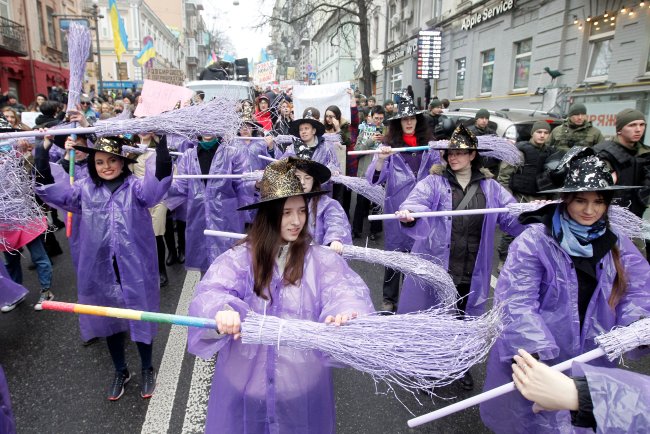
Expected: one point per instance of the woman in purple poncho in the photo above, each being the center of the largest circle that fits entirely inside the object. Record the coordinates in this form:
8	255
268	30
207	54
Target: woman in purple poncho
117	256
464	245
274	271
568	278
398	173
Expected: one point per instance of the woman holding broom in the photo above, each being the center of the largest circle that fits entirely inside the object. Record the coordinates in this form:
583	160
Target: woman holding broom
274	271
117	265
568	278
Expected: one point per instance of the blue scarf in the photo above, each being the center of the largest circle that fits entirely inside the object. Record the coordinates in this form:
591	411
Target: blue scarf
573	237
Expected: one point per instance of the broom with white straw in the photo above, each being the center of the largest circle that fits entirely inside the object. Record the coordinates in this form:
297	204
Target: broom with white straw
613	345
427	272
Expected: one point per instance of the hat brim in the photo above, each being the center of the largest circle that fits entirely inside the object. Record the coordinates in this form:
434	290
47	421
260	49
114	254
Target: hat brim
295	125
92	151
315	169
447	148
586	190
262	202
399	116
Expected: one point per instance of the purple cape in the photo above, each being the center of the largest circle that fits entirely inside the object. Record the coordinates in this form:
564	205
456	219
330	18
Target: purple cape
398	179
7	422
10	291
330	223
433	237
540	285
258	388
118	226
212	206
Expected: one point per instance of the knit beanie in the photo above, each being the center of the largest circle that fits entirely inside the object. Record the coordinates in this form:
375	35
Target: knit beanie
435	103
626	116
540	125
577	109
483	113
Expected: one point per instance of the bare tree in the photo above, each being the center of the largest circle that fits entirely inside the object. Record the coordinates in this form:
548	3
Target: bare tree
354	12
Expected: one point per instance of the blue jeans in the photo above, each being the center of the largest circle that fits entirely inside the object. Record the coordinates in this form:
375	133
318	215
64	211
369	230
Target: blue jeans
39	258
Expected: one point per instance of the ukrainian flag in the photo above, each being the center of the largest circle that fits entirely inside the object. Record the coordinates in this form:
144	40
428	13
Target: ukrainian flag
120	39
147	53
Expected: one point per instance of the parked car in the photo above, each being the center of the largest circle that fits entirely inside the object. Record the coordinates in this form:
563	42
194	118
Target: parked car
513	124
214	88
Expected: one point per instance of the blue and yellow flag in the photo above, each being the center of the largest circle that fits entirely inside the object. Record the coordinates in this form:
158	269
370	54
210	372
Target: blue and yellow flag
147	53
120	39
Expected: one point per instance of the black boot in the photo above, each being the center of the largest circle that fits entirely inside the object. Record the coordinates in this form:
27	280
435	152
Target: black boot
160	247
170	240
180	231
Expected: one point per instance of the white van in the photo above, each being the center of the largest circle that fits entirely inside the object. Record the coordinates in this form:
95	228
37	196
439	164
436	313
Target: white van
216	88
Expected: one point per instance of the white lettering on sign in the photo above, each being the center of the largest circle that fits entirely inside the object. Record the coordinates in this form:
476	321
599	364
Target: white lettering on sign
487	13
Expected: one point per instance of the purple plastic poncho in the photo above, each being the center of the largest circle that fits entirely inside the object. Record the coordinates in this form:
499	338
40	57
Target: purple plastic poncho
212	206
539	283
266	389
433	237
398	179
330	223
621	399
10	291
252	149
116	227
7	421
60	175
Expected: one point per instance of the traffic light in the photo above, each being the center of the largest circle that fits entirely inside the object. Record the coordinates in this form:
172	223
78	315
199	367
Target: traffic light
241	69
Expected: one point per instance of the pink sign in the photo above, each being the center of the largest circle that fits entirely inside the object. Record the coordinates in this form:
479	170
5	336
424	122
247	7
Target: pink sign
160	97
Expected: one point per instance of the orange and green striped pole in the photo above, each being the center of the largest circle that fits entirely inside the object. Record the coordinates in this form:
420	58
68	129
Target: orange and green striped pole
135	315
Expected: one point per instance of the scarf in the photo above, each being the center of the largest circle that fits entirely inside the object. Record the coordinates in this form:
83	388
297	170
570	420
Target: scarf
573	237
410	140
209	144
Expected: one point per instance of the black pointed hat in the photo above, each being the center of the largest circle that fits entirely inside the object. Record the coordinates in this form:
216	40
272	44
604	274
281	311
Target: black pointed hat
405	108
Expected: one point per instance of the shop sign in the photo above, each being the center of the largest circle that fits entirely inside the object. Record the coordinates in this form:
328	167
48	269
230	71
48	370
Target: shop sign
407	49
602	115
487	13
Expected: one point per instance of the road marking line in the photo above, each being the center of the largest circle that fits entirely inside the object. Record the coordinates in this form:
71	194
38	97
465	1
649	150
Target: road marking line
159	411
197	401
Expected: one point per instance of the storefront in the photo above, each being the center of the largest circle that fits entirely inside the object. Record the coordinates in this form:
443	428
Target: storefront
27	78
400	71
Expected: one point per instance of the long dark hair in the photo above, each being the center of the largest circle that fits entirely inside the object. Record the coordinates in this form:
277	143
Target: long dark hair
395	132
337	114
264	239
619	288
92	170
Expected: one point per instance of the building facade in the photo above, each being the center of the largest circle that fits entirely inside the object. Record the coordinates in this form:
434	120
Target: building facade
31	46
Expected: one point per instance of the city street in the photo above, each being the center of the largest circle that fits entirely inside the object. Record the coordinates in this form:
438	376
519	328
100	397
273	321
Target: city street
59	386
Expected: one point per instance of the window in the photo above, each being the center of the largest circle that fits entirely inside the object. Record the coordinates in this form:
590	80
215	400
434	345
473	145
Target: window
487	70
4	9
396	78
523	50
460	77
375	30
600	50
39	12
51	35
436	8
394	20
647	65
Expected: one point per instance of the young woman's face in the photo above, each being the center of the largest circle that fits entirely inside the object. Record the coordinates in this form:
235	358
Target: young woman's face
285	109
245	130
329	117
294	216
306	180
586	208
263	104
108	166
460	159
40	100
10	116
408	124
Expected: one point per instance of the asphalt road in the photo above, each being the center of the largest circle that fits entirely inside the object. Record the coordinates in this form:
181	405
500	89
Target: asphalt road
59	386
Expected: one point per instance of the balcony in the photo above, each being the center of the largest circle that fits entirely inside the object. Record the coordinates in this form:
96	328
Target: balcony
192	57
12	39
193	6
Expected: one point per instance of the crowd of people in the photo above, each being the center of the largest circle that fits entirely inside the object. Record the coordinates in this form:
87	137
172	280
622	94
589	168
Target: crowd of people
566	274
